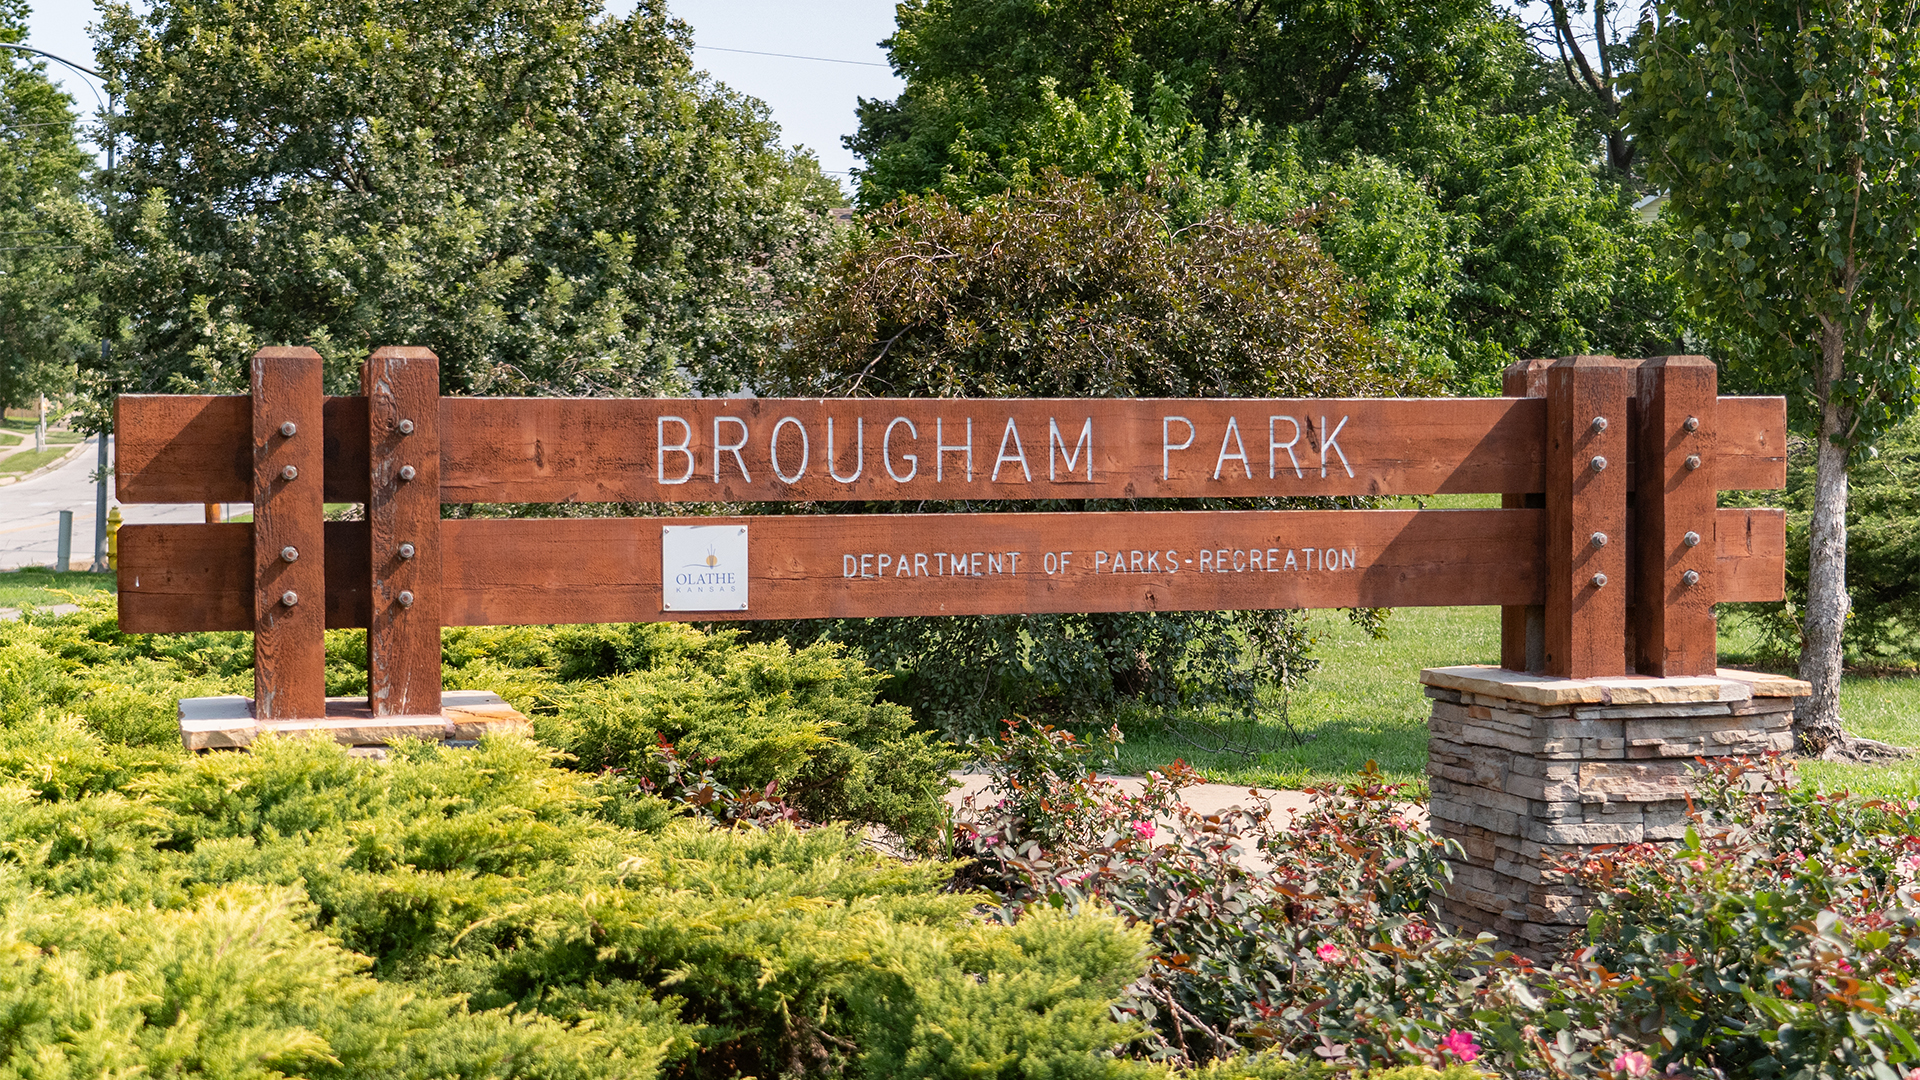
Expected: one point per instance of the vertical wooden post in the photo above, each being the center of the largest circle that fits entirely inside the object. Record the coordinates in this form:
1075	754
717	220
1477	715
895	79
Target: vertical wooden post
1587	399
1522	641
403	512
289	564
1674	501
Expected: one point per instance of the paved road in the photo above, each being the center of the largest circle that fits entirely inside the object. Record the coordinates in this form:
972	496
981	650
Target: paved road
30	513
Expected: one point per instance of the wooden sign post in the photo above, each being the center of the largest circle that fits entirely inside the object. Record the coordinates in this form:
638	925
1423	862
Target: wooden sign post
1611	590
1606	555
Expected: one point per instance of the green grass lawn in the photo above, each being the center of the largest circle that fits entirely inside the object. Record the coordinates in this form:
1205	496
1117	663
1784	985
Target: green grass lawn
19	588
28	460
1365	703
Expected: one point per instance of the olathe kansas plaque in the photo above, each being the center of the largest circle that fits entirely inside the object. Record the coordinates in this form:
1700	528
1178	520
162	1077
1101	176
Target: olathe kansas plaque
703	568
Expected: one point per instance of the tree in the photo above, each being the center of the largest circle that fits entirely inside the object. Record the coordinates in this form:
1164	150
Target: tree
1059	288
1788	132
551	199
40	210
1445	170
1062	290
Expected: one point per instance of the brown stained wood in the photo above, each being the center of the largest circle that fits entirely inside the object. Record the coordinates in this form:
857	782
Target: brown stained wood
1751	444
1521	626
188	448
1586	586
1673	631
608	570
178	577
289	554
1751	545
182	578
587	450
181	449
403	514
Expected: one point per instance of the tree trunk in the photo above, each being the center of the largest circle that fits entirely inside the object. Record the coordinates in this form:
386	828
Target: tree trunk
1816	721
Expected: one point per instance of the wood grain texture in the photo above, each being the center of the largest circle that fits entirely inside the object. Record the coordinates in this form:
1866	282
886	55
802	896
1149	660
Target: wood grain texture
402	388
192	449
1673	631
1586	489
289	553
180	578
189	448
1522	627
1751	549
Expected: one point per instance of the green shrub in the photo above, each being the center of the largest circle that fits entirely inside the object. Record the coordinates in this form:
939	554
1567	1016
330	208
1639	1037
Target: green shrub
804	721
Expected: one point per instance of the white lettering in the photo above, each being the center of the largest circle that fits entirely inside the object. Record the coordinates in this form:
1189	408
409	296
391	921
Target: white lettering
1167	448
1332	441
1173	561
1099	560
1292	563
1240	454
1054	440
1013	562
729	448
941	449
663	448
973	565
1346	559
864	560
996	564
886	450
1019	454
849	566
859	451
881	561
919	564
1206	560
773	450
1274	444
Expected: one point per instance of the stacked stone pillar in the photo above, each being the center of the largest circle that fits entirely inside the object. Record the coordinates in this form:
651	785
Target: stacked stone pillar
1526	770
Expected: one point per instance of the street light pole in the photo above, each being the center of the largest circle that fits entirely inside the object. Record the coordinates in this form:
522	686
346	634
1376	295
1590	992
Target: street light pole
102	476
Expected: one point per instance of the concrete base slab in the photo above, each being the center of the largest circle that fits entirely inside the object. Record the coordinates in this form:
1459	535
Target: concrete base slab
227	723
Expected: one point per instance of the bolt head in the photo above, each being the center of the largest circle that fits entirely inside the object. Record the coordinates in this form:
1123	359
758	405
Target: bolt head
1692	539
407	473
1692	424
289	598
289	553
290	473
405	598
1693	462
1598	539
1691	577
1599	464
1599	424
406	551
287	429
1599	581
405	426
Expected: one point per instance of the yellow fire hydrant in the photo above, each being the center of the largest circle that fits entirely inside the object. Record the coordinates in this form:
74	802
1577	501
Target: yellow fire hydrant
113	539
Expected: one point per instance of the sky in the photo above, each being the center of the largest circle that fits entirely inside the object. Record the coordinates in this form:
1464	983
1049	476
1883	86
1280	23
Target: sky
812	100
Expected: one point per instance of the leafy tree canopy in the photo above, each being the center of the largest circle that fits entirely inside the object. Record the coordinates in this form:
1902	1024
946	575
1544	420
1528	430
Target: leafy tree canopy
40	210
1062	290
1788	132
551	199
1452	173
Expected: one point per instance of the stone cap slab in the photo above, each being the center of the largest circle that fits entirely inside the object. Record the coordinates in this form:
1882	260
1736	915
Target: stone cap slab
226	723
1767	684
1549	690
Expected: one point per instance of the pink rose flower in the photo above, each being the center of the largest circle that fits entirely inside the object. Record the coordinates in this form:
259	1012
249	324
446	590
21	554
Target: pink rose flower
1143	829
1461	1044
1330	953
1633	1063
1699	865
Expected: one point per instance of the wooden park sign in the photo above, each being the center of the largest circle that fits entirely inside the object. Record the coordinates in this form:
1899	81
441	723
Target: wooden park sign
1608	551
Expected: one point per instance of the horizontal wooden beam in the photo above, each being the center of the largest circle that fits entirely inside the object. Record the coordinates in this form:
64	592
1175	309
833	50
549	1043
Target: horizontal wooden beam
187	449
176	578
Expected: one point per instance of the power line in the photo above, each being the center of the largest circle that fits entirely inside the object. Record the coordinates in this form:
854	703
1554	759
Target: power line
793	56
